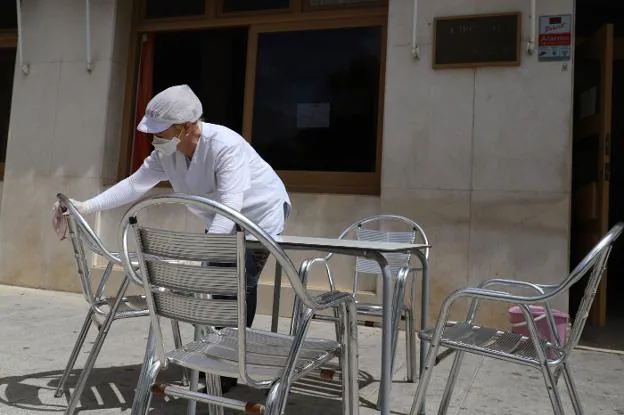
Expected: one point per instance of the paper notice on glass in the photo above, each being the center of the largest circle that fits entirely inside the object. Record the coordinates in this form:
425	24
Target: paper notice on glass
313	115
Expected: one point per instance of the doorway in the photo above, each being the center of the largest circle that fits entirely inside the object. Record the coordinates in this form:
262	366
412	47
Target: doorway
598	160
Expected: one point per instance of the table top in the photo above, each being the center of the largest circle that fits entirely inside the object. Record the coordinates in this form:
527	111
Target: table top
309	242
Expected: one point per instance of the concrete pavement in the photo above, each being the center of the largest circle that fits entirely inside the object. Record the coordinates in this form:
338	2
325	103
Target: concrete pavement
38	330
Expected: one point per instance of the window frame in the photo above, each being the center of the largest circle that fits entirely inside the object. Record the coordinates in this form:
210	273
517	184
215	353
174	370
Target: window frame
306	7
298	18
219	13
367	183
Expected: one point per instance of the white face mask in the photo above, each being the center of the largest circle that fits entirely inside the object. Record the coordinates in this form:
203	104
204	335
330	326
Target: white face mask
164	146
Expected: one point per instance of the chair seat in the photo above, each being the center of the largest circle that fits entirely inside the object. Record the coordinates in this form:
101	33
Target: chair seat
267	354
494	343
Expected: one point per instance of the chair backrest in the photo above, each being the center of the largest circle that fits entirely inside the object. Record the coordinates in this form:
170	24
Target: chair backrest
84	240
594	264
387	228
185	269
182	271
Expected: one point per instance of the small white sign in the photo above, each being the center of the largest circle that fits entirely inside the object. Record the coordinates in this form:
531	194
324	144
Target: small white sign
313	115
555	38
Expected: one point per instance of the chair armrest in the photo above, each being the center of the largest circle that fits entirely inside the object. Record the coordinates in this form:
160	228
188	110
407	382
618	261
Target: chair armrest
477	294
332	299
541	289
494	295
306	266
324	301
542	295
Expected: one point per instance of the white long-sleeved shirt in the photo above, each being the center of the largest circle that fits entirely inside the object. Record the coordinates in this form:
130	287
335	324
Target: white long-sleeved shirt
224	168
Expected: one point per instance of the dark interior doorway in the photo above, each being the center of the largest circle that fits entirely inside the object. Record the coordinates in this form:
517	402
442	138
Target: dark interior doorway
591	15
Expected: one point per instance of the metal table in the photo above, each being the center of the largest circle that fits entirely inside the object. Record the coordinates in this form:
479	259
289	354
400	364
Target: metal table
373	251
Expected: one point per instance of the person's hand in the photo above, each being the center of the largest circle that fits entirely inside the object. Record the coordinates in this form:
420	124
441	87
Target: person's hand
81	207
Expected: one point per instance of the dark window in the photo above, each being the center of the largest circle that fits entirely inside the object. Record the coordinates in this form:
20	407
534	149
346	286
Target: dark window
217	76
316	99
8	14
156	9
235	6
7	72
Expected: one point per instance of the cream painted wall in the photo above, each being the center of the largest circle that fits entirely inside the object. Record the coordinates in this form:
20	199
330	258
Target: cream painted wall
481	158
64	135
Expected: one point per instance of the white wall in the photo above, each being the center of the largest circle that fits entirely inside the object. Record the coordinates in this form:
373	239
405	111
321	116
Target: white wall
481	158
64	133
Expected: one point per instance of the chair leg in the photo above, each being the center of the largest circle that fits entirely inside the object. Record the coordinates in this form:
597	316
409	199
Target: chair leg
90	363
397	303
396	315
553	391
149	372
349	359
425	377
278	394
213	387
410	345
576	402
450	383
177	341
143	396
74	354
191	406
95	351
339	338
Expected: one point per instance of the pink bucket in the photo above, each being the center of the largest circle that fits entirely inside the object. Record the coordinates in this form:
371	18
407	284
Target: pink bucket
519	326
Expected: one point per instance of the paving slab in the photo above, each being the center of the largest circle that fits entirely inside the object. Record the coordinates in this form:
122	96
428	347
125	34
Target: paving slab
38	330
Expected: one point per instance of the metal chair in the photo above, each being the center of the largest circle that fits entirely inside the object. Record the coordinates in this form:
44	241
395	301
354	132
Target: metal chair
549	356
183	291
402	267
101	307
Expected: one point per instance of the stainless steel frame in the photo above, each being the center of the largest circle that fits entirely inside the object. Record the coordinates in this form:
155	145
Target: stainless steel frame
109	309
550	357
401	268
375	252
183	291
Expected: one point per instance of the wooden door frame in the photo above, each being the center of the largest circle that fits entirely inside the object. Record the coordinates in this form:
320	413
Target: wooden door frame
308	181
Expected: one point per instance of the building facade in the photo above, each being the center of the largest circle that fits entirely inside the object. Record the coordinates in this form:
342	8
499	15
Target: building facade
480	157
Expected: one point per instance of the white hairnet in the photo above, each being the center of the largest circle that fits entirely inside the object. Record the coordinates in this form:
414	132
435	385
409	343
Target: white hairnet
175	105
